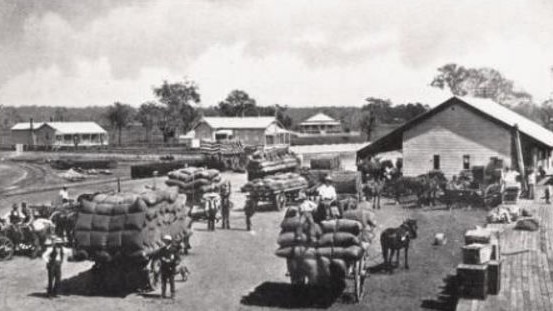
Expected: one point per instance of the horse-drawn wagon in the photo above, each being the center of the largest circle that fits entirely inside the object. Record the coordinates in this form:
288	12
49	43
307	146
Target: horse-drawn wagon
278	189
122	233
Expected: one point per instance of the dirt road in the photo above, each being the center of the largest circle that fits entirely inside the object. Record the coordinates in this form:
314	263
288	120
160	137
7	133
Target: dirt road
237	270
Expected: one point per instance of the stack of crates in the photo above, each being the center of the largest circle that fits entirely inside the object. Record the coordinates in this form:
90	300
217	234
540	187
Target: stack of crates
480	272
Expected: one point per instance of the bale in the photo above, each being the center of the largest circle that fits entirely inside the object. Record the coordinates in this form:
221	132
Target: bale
342	239
326	162
291	239
341	225
347	181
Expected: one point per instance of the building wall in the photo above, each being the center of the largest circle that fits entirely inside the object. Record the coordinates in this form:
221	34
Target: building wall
20	137
250	136
450	134
45	136
204	131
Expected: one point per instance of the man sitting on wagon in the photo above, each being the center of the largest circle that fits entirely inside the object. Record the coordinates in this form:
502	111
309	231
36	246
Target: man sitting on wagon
327	205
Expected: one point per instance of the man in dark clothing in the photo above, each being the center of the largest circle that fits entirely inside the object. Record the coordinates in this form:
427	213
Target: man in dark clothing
54	259
225	204
169	256
249	210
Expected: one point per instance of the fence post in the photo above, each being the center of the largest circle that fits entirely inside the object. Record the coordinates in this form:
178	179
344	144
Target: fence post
155	175
118	184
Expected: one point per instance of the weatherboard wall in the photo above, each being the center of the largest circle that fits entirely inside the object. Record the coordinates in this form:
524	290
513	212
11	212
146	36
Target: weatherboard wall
452	134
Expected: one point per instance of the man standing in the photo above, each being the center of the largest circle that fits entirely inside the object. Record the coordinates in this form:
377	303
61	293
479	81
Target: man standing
54	259
249	210
225	204
531	183
64	195
169	260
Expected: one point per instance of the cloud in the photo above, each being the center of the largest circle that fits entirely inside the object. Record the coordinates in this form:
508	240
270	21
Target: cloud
332	42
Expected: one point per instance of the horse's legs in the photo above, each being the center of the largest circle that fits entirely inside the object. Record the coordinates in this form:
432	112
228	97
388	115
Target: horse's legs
407	257
378	200
385	255
391	260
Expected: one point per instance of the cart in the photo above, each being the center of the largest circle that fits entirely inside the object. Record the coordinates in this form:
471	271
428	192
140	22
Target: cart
354	279
278	198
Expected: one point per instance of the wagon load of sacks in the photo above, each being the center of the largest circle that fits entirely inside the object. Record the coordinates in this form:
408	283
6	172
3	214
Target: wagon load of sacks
262	163
322	251
129	225
195	180
278	182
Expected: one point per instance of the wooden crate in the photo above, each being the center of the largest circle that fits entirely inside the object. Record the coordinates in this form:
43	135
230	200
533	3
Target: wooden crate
494	277
476	254
472	281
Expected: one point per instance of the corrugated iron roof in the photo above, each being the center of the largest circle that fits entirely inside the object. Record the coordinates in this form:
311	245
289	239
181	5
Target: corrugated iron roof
489	108
22	126
238	122
320	118
511	118
64	127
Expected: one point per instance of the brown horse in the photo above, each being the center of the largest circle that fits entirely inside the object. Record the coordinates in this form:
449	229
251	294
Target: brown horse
395	239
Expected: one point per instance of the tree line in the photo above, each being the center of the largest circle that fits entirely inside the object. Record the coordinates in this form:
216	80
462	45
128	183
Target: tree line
178	106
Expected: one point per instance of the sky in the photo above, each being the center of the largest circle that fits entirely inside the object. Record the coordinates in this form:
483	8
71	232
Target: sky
287	52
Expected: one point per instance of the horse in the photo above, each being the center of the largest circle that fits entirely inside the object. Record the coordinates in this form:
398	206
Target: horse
373	190
395	239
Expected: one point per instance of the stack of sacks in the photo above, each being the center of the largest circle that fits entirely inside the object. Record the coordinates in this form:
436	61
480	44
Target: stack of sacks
320	252
277	182
195	180
504	214
367	219
271	162
129	225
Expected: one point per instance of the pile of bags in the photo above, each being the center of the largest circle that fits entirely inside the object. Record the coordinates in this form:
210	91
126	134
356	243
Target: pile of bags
209	147
262	163
129	225
320	252
504	214
276	182
195	180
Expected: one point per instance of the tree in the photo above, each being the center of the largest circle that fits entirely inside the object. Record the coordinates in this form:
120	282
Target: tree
367	123
238	103
547	113
60	114
149	115
120	115
180	112
479	82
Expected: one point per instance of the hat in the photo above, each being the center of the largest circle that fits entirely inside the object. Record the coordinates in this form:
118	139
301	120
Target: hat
328	178
167	238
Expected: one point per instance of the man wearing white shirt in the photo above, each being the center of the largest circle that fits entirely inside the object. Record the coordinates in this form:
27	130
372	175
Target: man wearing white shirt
327	204
531	183
64	195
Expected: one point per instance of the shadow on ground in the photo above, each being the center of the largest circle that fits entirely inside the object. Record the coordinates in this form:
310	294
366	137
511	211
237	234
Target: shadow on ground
284	295
85	284
446	299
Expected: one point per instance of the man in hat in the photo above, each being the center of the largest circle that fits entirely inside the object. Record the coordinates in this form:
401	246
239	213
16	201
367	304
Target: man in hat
249	210
328	196
169	257
54	259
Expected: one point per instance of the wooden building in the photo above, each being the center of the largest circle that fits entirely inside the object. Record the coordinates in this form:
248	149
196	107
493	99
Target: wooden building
259	131
462	133
320	124
59	134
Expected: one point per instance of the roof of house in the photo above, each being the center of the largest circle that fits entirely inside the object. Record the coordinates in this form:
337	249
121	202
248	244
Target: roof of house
485	107
238	122
320	118
25	126
64	127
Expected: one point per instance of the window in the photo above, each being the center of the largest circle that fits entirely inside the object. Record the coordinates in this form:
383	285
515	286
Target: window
436	162
466	162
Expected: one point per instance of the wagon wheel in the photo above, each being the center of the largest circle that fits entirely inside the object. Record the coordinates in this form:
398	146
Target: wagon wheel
154	273
7	248
280	201
359	279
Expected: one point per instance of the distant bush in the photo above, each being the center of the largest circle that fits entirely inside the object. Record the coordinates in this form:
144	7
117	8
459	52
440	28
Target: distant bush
327	140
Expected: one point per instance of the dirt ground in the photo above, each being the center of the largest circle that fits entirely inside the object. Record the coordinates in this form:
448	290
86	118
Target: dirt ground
237	270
